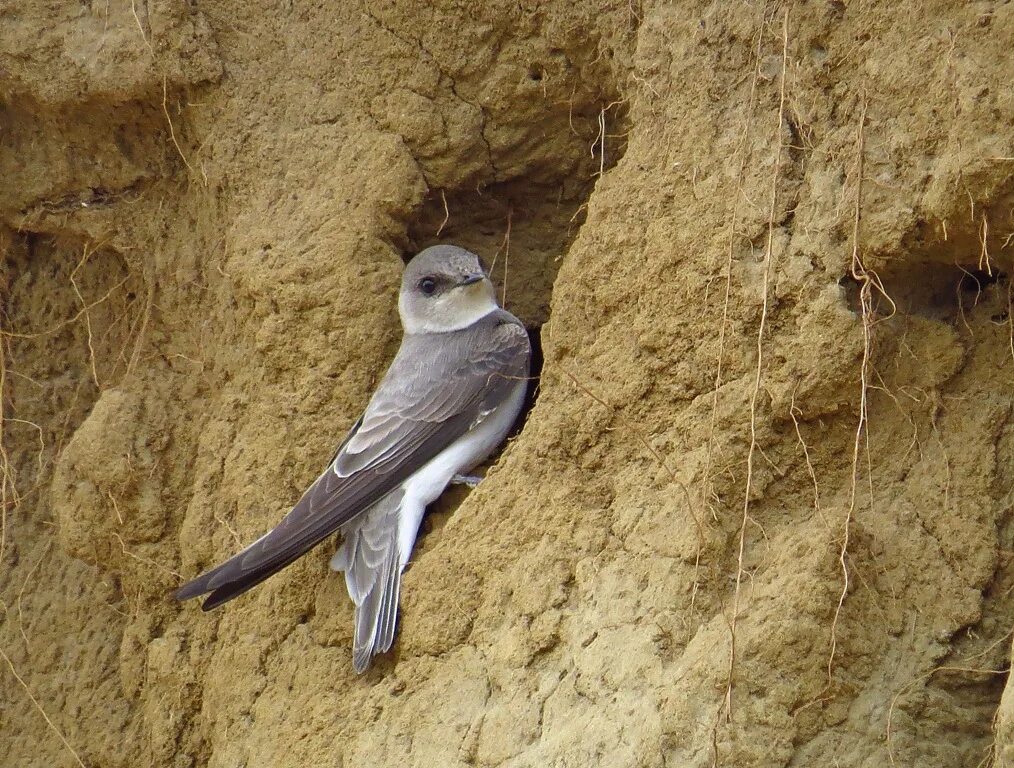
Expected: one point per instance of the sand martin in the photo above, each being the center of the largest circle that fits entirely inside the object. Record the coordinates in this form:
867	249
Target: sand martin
447	401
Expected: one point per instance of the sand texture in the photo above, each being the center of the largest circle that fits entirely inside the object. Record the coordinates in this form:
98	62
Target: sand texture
761	511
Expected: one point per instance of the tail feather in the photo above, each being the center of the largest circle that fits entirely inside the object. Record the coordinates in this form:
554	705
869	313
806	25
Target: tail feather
372	563
388	618
365	633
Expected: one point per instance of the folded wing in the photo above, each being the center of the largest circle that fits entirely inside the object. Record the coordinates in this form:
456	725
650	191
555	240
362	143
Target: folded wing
438	387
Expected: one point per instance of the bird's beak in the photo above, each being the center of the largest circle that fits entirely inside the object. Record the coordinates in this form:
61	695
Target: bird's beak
472	279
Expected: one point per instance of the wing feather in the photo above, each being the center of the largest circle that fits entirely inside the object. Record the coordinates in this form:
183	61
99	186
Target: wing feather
433	393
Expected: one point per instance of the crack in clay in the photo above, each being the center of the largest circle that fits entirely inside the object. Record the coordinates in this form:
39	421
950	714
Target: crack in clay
453	87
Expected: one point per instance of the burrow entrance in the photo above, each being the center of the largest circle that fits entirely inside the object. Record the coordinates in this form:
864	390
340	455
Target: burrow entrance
521	228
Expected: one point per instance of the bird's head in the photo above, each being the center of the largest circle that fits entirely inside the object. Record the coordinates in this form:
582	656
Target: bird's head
444	288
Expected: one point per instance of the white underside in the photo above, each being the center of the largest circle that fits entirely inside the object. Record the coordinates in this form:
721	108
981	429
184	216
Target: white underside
426	485
423	487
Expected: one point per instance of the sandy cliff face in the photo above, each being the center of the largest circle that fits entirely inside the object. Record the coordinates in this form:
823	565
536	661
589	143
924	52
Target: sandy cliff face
760	514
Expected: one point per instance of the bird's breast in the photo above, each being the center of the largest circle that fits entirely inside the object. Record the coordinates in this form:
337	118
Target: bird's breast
467	451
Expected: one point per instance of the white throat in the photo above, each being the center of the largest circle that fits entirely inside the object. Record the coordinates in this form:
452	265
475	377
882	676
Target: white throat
453	311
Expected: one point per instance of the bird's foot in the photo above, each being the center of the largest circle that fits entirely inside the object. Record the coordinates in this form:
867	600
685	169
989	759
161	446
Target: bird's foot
470	480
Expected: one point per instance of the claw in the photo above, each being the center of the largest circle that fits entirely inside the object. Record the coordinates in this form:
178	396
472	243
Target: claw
470	480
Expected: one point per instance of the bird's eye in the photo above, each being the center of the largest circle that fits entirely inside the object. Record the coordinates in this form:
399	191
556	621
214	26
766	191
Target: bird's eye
428	285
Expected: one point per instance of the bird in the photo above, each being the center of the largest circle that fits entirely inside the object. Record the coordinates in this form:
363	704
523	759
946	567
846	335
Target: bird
449	398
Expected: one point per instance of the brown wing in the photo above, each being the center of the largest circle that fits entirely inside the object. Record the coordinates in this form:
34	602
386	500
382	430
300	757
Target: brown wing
438	387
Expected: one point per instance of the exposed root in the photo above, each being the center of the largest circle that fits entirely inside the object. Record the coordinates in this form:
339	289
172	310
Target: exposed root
447	214
172	131
600	138
943	453
602	150
737	194
121	355
506	258
926	676
868	282
1010	316
228	526
755	393
984	264
504	247
8	490
116	507
959	294
41	711
793	412
40	456
84	309
70	321
580	209
148	304
140	27
144	560
21	592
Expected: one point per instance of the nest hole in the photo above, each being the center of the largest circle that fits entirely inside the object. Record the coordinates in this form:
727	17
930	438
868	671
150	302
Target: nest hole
949	293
